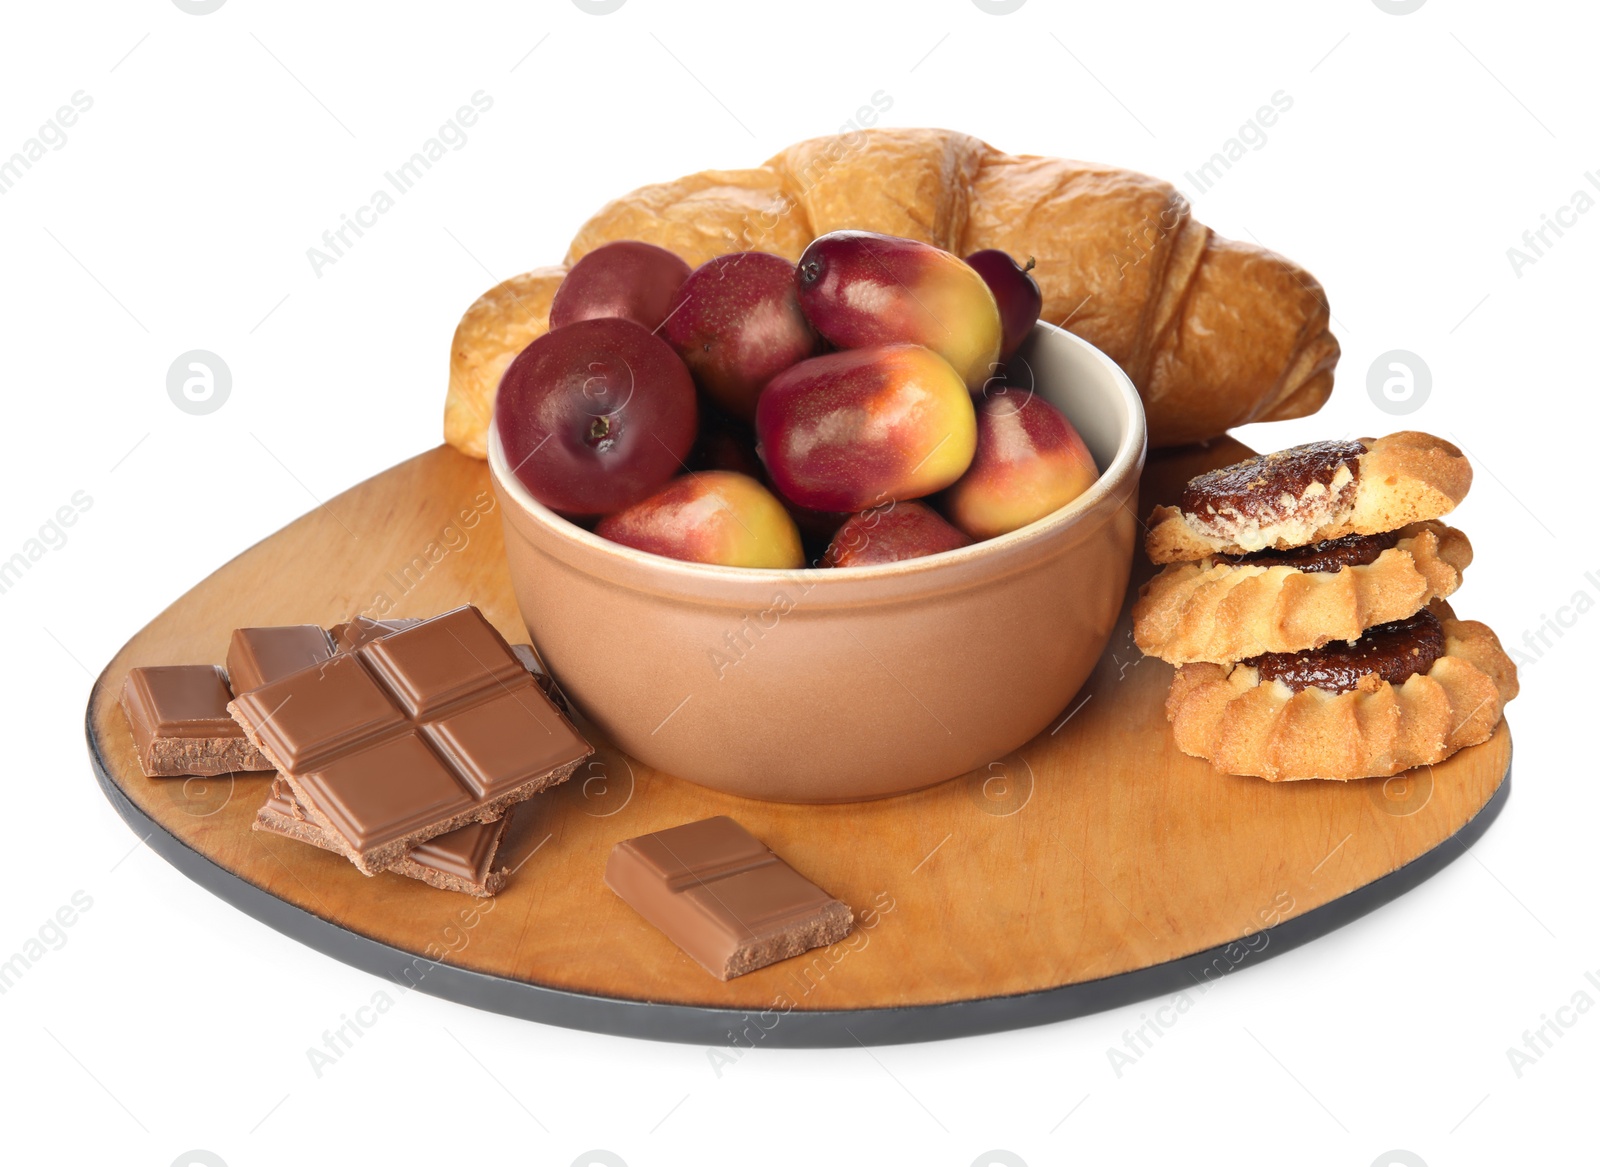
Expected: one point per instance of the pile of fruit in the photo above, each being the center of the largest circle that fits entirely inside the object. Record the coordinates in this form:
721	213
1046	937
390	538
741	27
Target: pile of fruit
752	410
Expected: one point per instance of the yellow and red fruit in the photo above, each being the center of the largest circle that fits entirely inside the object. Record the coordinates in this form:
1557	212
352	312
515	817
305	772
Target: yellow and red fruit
715	516
860	289
855	429
1030	461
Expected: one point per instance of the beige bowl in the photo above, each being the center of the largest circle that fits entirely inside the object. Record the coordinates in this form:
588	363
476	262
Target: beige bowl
821	685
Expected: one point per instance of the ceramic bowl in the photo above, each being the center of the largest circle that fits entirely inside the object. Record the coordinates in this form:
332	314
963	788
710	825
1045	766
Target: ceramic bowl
832	685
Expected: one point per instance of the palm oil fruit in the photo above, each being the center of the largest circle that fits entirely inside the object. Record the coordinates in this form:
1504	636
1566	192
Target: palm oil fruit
738	324
595	416
1030	461
855	429
636	281
1015	292
893	532
714	516
860	289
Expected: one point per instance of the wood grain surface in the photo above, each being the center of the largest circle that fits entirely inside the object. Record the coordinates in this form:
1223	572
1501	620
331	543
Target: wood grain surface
1096	849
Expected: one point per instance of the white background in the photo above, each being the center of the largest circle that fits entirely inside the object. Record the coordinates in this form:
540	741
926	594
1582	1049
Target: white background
177	216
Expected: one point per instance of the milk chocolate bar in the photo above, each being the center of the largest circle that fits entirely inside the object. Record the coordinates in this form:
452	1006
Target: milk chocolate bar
410	736
257	656
179	716
459	860
352	634
721	895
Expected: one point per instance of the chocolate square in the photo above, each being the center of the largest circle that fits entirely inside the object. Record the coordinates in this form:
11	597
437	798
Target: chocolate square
180	722
384	792
310	714
513	736
259	656
442	660
724	897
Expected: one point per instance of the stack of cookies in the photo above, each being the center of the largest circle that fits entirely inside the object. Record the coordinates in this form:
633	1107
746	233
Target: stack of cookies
1302	599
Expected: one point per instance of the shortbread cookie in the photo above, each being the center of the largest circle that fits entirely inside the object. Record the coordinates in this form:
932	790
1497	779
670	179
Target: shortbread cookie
1406	694
1311	494
1226	608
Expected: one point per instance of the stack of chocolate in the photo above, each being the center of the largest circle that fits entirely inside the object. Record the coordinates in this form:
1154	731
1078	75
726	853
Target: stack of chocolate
1302	599
403	745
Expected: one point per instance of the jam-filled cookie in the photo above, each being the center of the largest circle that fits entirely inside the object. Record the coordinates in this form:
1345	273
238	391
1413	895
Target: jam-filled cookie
1311	494
1404	694
1225	608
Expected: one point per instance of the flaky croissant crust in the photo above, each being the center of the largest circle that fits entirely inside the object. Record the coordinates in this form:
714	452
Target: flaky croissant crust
1219	611
1214	333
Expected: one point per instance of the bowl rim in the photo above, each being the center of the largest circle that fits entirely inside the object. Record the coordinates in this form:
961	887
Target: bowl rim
1130	451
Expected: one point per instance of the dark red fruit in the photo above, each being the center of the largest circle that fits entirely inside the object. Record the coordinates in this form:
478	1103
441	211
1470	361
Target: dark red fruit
628	279
595	416
888	534
1015	291
738	324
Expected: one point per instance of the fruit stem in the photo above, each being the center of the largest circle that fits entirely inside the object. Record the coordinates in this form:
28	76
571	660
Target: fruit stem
599	428
1027	267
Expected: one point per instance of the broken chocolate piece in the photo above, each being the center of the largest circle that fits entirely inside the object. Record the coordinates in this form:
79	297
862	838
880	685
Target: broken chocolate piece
721	895
411	736
461	860
1391	652
1329	556
257	656
180	722
1272	488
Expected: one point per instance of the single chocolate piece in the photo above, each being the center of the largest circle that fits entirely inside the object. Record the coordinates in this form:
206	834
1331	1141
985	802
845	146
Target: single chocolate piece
721	895
257	656
1270	488
1329	556
180	722
352	634
460	860
413	735
1391	652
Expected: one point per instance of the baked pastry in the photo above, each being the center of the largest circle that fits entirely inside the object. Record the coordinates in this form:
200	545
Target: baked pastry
500	324
1214	333
1405	694
1310	494
1226	608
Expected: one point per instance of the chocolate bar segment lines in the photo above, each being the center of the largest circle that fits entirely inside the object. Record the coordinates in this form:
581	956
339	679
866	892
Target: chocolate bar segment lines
413	735
724	897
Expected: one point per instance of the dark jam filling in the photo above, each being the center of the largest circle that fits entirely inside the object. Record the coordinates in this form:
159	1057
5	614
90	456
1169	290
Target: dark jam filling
1329	556
1254	488
1392	651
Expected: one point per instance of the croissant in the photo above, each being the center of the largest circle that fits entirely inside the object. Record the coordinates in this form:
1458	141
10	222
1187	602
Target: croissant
1214	333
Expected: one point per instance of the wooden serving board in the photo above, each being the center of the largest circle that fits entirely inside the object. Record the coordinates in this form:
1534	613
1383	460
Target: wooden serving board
1095	866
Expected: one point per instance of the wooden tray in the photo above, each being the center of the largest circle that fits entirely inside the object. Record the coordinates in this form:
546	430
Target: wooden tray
1095	866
